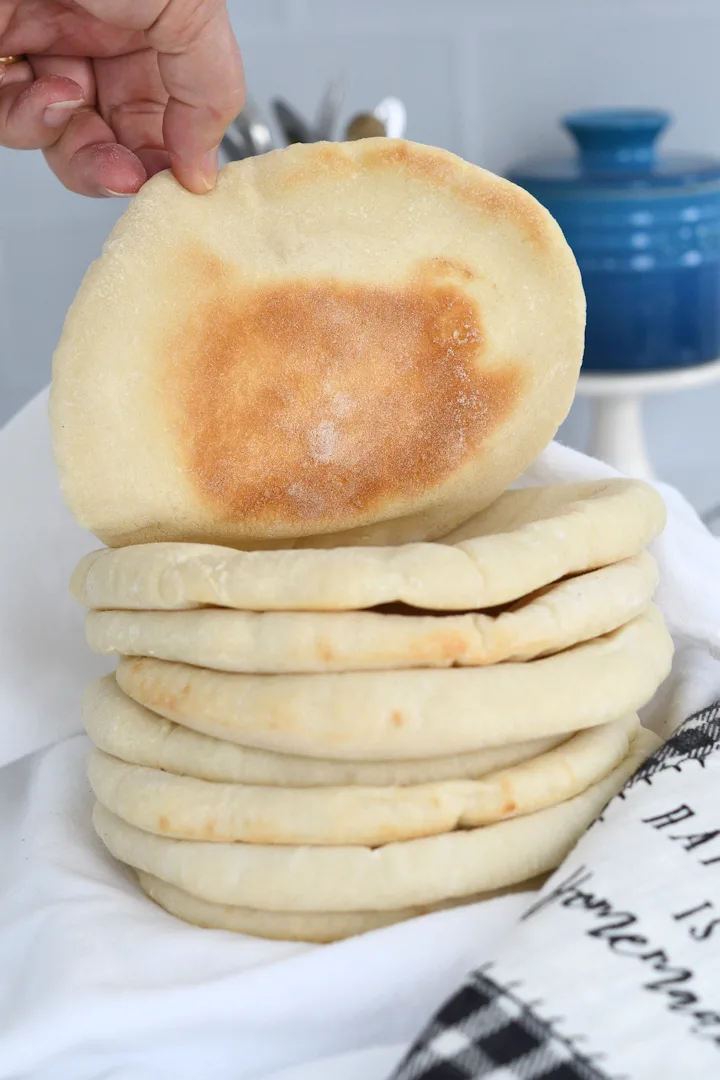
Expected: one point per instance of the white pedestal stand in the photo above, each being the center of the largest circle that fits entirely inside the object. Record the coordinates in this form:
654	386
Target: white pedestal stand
617	435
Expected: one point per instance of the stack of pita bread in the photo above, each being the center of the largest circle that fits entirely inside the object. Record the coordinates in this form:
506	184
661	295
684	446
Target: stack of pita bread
358	678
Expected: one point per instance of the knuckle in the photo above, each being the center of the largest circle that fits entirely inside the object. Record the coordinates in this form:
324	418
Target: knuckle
180	23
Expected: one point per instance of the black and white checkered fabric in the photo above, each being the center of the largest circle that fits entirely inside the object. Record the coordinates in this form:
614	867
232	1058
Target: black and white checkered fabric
486	1031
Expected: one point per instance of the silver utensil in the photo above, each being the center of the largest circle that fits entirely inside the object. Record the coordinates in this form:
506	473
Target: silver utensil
392	114
236	143
248	135
389	118
329	110
260	135
364	126
294	128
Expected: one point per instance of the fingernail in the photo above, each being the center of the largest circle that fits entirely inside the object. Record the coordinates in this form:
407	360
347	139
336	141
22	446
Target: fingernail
116	194
209	167
57	114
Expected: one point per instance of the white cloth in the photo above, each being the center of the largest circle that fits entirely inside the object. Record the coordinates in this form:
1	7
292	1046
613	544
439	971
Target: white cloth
95	981
613	968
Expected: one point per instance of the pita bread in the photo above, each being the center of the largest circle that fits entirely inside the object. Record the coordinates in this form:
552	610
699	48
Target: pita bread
405	714
406	874
126	730
190	809
563	615
338	336
319	927
524	541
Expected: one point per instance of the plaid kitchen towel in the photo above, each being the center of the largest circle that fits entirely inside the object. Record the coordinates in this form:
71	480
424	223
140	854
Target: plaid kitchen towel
613	972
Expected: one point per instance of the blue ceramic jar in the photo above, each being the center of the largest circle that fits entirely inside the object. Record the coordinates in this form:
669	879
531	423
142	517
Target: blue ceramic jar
645	230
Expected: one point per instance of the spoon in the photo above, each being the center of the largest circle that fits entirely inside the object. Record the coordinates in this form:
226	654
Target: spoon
248	135
259	133
364	126
393	115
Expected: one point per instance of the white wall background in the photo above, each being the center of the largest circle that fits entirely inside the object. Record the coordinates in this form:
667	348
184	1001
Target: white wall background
485	78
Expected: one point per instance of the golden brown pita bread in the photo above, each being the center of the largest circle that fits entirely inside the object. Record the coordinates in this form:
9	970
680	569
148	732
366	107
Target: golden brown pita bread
405	874
279	642
320	927
126	730
191	809
524	541
381	715
370	339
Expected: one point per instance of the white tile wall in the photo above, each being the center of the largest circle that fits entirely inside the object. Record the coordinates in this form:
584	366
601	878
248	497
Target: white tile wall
486	78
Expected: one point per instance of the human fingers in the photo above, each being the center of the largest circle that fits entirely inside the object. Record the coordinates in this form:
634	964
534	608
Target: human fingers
132	99
88	160
77	68
84	155
34	110
200	65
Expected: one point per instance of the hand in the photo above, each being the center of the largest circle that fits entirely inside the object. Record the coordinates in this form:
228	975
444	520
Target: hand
113	91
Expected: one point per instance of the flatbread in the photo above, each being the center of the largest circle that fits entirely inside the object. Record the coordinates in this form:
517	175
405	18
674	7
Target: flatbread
404	714
126	730
406	874
574	610
338	336
190	809
526	540
319	927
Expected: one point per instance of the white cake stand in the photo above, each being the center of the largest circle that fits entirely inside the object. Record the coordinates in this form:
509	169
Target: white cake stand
617	435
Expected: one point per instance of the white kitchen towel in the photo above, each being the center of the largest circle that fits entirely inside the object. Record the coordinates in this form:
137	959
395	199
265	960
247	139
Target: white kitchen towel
614	968
96	982
43	661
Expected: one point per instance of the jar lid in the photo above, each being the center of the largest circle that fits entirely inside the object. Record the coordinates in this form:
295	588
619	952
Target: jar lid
617	151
